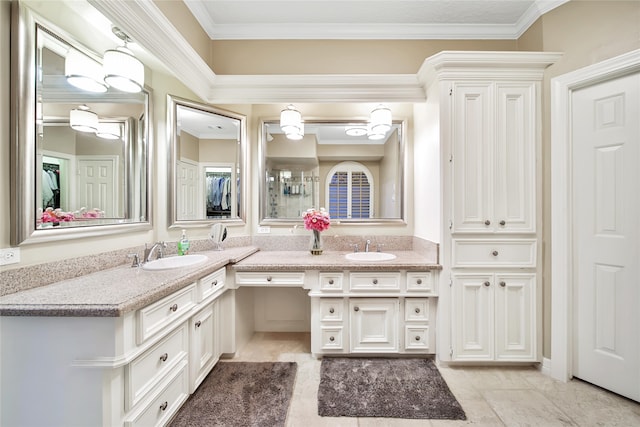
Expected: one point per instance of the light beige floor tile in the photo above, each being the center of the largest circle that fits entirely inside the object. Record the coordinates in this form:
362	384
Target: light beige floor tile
496	378
526	408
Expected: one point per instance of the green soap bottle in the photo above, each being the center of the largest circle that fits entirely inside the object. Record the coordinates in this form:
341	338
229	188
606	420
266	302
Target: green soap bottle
183	244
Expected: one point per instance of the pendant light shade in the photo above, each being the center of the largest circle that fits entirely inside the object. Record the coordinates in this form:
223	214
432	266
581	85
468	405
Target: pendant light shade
291	123
83	120
83	72
381	120
123	70
108	130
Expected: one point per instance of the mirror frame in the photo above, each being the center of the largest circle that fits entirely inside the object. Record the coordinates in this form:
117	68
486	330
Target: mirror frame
173	102
262	187
24	23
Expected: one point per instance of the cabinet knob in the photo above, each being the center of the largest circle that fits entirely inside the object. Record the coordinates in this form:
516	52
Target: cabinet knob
163	407
417	337
174	307
375	281
356	308
214	283
269	278
503	223
487	283
487	222
417	310
198	323
494	253
503	284
164	357
331	310
332	339
419	281
331	281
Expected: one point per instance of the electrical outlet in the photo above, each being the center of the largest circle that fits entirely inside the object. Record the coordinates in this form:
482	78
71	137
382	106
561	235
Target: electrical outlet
264	229
9	256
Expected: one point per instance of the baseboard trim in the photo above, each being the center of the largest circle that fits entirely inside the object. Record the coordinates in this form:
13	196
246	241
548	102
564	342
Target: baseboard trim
545	366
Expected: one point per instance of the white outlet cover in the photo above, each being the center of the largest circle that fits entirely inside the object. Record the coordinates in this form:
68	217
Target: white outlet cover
9	256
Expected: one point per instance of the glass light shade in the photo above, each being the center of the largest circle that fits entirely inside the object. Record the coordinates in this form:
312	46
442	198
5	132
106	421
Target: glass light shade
356	130
296	135
123	70
291	120
83	72
83	120
108	130
381	119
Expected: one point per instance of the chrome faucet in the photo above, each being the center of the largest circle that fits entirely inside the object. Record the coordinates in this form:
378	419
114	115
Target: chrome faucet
148	252
366	245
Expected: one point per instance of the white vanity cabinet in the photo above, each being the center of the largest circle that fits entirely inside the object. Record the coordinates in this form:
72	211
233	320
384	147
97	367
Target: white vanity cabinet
367	312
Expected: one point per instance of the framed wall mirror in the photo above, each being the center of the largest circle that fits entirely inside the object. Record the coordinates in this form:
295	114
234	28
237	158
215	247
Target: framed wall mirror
334	166
207	155
80	159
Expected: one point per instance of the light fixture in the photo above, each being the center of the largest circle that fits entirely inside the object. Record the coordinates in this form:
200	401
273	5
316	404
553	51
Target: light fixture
83	72
291	123
121	68
83	120
357	130
108	130
381	119
374	136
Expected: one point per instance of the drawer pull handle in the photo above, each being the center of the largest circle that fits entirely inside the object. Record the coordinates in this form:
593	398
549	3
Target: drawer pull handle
503	222
163	407
375	281
487	222
494	253
419	281
417	310
356	308
503	284
174	308
417	337
331	338
331	310
214	283
164	357
486	283
198	323
331	281
269	278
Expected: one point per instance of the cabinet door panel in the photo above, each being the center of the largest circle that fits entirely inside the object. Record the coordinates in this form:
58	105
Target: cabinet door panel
204	344
515	321
472	159
515	155
374	325
472	317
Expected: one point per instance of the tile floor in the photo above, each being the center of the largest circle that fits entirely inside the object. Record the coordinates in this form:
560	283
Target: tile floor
500	396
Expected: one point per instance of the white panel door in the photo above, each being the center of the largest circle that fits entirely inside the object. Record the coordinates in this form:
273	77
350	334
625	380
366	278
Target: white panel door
472	317
98	185
515	317
187	187
606	221
374	325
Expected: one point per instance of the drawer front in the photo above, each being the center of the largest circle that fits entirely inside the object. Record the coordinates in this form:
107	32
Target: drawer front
287	279
331	310
420	282
150	367
416	338
332	338
211	283
170	398
498	253
156	316
374	281
331	281
416	309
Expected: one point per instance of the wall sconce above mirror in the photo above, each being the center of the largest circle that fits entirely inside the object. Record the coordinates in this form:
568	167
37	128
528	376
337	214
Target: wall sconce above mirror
208	166
358	180
80	154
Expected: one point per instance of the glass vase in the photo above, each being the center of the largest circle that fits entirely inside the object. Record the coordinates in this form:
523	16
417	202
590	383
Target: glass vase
316	243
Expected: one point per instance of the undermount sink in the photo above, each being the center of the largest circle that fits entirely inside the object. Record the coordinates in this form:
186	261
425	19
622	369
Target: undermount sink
174	262
369	256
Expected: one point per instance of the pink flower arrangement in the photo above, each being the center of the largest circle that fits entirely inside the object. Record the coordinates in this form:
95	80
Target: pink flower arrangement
317	220
58	215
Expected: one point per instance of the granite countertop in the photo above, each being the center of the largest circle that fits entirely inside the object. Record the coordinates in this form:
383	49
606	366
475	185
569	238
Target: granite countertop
113	292
332	260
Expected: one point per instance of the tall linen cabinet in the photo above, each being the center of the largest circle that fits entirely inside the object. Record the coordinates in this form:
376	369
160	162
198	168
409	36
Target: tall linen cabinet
488	108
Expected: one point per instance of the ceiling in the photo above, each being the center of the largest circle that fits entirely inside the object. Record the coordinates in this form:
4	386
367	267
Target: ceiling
367	19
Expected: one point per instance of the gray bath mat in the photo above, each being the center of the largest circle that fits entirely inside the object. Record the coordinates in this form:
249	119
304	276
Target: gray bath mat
389	388
240	394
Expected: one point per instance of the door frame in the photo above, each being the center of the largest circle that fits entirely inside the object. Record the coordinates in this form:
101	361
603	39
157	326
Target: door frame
562	88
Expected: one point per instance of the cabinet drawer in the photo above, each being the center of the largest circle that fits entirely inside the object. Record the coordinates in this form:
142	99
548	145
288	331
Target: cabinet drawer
416	337
374	281
331	281
293	279
210	284
331	310
416	309
156	316
421	282
150	367
170	398
494	253
332	338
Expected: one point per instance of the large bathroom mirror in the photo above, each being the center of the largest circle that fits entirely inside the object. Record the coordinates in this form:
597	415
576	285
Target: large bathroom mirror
335	166
207	157
72	178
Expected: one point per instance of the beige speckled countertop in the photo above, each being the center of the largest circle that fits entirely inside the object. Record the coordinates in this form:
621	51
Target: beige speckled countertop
116	291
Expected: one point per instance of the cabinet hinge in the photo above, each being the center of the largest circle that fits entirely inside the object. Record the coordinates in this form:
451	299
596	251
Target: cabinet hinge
450	91
451	158
450	225
450	281
451	351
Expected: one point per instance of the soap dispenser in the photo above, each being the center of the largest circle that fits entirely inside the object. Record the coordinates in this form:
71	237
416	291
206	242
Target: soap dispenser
183	244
